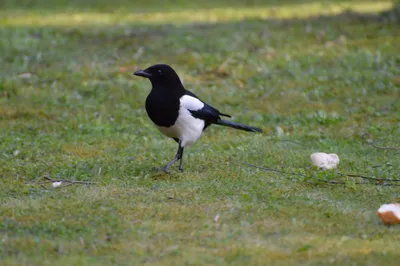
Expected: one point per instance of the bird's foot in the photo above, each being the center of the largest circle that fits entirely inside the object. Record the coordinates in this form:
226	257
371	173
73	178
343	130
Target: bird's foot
161	169
165	169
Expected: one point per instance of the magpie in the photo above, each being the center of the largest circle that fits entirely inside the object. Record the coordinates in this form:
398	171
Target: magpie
179	113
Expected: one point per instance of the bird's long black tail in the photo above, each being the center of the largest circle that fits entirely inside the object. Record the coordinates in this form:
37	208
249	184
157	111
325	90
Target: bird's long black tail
237	126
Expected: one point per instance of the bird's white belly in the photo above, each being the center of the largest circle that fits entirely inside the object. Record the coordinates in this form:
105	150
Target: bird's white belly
186	128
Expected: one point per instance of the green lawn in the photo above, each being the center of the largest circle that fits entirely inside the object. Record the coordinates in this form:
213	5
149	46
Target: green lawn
71	109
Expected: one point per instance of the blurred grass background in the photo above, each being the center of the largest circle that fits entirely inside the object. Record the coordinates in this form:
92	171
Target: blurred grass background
315	75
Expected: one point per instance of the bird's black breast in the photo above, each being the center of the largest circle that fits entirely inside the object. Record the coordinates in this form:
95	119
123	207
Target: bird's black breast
162	108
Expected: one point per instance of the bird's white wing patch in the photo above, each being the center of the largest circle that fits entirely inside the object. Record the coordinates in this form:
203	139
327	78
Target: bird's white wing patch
186	128
191	103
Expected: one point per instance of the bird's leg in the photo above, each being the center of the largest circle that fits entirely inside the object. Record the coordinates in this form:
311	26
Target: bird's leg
178	156
166	168
181	160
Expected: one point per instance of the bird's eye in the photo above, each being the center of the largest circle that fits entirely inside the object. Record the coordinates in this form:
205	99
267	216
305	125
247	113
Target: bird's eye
160	72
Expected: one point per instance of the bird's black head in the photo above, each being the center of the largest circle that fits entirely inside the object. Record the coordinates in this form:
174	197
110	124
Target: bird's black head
161	75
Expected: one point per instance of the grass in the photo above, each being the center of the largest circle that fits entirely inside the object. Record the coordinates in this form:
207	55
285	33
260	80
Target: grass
70	108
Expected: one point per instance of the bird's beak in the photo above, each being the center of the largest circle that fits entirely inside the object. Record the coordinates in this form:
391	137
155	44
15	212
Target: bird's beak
142	73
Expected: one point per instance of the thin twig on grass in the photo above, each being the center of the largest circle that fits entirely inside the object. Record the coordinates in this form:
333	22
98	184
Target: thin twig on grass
286	140
291	173
372	178
66	182
378	180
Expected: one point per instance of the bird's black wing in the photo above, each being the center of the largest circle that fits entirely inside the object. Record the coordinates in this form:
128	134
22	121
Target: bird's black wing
207	113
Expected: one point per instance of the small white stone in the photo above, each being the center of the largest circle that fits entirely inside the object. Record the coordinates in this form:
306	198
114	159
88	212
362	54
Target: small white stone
216	218
324	161
57	184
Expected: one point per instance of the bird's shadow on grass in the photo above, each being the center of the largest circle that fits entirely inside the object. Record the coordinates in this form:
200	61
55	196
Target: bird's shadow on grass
161	175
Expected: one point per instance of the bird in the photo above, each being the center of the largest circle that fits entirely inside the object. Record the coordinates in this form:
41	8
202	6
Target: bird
178	113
